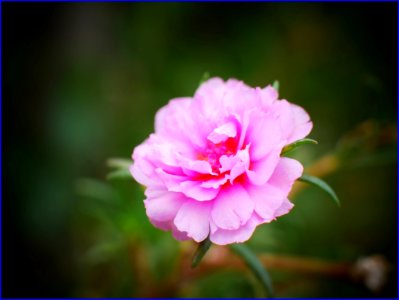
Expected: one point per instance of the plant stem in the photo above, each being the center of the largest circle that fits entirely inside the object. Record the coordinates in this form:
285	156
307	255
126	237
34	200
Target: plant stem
255	265
203	247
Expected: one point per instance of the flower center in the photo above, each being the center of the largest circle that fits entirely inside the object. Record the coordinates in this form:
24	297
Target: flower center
213	152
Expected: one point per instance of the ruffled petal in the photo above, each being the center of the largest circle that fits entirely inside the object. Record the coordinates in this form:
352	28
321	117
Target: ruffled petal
223	132
303	125
176	122
179	235
264	135
240	235
260	171
285	208
267	200
232	208
165	206
215	182
190	188
194	190
193	218
193	167
268	95
294	121
237	164
286	172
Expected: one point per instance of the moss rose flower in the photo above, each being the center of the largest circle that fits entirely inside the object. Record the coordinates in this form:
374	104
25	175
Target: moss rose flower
213	166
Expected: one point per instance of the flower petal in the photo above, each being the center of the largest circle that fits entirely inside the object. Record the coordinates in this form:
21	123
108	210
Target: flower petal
285	208
176	121
179	235
264	135
193	167
215	182
286	172
190	188
303	125
163	225
165	206
240	235
294	120
194	190
260	171
237	164
268	95
193	218
267	200
223	132
232	208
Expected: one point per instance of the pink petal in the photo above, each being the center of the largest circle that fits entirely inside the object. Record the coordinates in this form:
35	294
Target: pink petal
239	97
176	121
165	206
286	172
267	200
303	125
213	89
194	190
294	120
244	120
237	164
179	235
285	208
240	235
263	134
139	175
260	171
192	167
209	98
223	132
215	182
193	218
142	170
232	208
163	225
170	181
268	96
183	184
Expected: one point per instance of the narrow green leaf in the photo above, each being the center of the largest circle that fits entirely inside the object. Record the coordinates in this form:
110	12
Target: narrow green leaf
322	185
204	78
119	163
203	247
276	85
121	168
255	265
120	174
297	144
95	189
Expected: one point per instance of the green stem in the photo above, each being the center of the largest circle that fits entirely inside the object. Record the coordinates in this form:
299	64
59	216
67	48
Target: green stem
203	247
255	265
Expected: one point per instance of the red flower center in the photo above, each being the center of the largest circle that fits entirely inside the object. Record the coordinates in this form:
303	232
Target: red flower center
213	152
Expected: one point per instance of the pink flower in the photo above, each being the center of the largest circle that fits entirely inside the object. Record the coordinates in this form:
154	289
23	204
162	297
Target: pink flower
213	166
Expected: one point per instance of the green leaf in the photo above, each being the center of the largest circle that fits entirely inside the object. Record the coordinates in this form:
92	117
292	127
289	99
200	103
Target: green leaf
121	166
119	163
255	265
322	185
297	144
204	78
120	174
91	188
276	85
203	247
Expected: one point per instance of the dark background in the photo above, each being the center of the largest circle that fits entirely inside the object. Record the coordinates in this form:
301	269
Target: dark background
82	82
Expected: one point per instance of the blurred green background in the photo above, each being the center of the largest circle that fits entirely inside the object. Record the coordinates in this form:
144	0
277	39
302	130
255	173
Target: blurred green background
82	83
